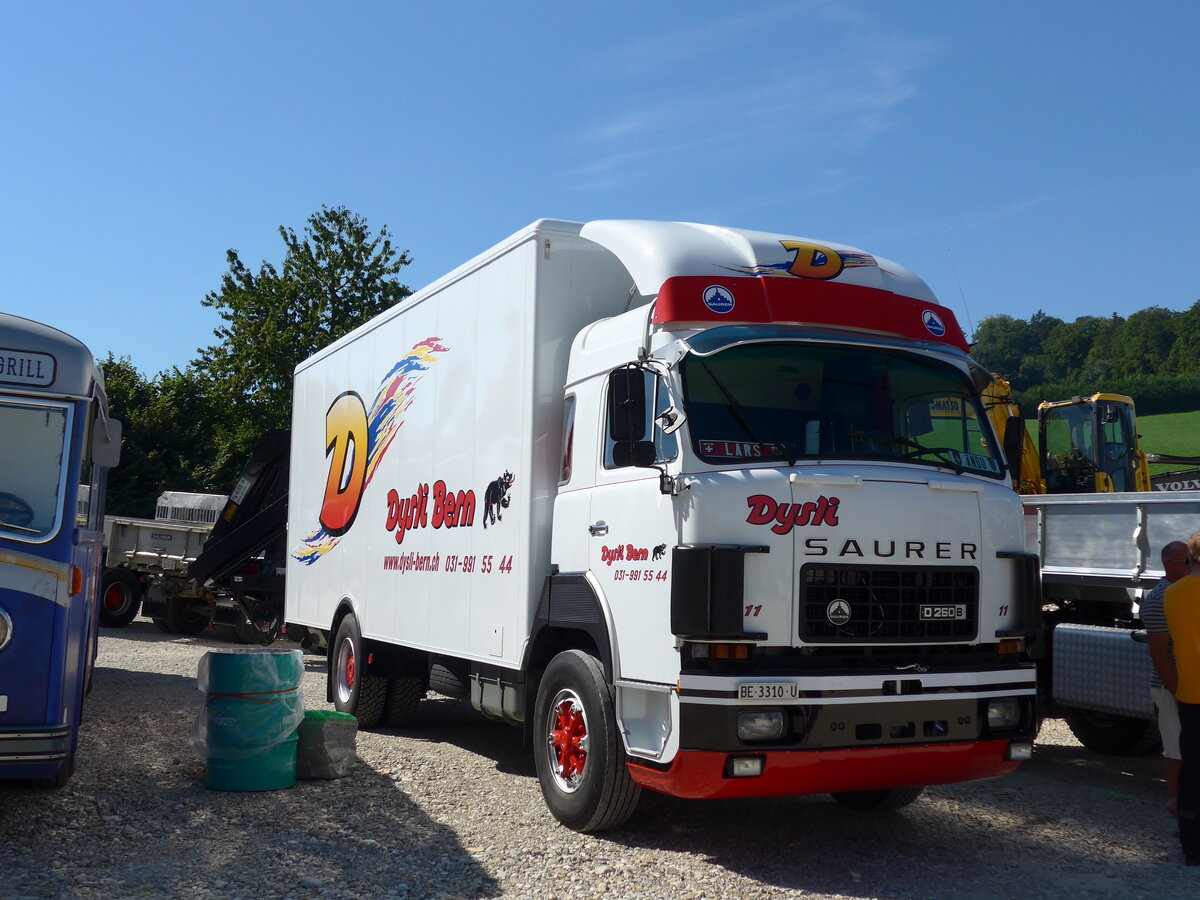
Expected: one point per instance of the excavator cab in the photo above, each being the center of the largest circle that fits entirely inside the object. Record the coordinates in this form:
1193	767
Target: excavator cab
1090	445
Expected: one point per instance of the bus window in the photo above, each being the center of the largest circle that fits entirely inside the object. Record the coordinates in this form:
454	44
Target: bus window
32	467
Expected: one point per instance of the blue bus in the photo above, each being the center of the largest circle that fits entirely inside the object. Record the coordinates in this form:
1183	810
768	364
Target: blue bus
57	443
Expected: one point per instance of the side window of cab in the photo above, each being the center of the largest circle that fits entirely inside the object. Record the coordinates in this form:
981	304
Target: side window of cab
657	401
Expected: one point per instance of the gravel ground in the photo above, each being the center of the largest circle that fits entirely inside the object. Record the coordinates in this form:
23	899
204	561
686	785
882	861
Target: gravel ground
451	809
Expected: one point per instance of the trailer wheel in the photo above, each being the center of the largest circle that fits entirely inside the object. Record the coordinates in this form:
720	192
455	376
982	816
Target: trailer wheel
185	616
354	691
120	597
878	801
578	752
1112	735
403	697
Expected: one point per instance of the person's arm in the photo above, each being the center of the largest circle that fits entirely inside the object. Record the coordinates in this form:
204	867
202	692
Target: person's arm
1160	655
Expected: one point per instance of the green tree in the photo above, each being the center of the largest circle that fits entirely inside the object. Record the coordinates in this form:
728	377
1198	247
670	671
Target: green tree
1002	344
1146	341
1184	358
168	442
334	278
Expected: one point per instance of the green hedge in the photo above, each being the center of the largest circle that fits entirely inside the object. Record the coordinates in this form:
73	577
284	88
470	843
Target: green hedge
1152	394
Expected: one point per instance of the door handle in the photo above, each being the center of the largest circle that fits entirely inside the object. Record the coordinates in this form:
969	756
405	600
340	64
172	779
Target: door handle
599	529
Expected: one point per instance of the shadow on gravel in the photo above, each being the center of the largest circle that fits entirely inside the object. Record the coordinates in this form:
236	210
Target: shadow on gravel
441	720
137	820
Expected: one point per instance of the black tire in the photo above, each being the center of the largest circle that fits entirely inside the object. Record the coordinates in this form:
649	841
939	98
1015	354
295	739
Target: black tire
185	616
120	597
1112	735
884	800
578	751
161	625
403	697
354	691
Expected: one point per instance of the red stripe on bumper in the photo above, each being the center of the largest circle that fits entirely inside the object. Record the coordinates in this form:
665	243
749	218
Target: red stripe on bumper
700	773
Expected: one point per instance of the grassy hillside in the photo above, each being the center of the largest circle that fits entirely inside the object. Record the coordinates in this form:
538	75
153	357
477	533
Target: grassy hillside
1175	433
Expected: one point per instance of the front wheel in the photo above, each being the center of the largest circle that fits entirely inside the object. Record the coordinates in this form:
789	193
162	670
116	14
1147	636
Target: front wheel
120	597
578	751
185	616
354	691
878	801
1110	734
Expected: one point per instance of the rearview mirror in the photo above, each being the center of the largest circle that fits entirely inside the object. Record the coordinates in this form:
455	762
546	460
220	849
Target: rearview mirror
627	405
106	443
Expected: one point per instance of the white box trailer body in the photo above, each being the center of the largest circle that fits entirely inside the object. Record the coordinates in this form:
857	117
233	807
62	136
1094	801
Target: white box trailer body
459	582
724	607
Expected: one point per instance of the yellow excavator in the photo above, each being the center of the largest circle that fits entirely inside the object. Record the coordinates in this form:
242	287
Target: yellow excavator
1084	445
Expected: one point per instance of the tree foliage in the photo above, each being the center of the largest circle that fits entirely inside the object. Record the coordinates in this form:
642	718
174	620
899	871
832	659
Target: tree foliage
333	278
1153	356
193	429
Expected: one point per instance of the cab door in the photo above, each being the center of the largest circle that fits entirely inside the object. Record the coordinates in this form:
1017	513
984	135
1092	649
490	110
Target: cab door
633	527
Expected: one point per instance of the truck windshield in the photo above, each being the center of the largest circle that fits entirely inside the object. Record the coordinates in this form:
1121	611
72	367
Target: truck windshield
806	400
32	454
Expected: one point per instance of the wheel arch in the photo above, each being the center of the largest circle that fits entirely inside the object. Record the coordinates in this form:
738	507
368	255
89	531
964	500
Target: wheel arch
570	616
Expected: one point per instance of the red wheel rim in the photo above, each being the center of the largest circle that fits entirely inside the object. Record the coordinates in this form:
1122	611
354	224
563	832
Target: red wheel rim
115	598
567	740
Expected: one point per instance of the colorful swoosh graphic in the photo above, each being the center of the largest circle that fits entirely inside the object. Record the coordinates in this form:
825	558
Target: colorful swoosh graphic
849	261
396	392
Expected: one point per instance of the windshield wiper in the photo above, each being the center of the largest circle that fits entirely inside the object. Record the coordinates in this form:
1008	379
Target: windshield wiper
942	454
735	409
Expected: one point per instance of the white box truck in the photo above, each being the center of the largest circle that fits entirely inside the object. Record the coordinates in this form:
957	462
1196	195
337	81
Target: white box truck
711	512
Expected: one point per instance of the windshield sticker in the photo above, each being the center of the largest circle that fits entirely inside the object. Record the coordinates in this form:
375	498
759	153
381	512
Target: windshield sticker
974	461
742	449
718	299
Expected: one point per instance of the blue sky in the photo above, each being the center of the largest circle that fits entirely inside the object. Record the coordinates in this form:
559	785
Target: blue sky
1017	156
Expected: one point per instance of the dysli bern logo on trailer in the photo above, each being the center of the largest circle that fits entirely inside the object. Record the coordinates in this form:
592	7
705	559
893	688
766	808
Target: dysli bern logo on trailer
718	299
933	323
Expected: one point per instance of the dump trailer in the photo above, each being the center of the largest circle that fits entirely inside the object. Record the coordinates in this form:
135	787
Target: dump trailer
1100	554
146	563
709	512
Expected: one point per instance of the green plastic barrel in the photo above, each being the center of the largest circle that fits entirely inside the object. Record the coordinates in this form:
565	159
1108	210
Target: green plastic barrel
253	709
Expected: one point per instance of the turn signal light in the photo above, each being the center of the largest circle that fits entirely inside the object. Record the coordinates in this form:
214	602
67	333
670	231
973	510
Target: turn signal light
76	581
729	651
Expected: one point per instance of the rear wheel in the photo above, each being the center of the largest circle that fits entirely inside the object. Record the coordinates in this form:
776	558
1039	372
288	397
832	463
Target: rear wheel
185	616
403	697
1112	735
578	752
354	691
120	597
878	801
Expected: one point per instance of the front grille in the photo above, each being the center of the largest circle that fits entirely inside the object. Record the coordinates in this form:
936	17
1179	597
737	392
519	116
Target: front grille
913	604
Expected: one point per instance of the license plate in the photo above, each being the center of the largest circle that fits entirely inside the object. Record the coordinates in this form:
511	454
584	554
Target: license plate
762	690
943	611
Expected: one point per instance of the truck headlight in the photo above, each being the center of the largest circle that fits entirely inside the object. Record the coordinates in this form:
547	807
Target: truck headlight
1003	714
5	629
760	724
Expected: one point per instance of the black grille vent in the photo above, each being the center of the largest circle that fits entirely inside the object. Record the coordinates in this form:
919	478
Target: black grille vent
914	604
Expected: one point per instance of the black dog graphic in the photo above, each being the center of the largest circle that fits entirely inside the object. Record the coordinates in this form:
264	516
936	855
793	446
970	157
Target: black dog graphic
495	498
660	551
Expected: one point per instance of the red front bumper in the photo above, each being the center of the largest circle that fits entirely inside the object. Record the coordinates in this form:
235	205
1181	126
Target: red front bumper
701	773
